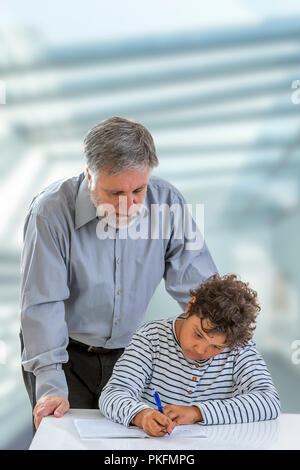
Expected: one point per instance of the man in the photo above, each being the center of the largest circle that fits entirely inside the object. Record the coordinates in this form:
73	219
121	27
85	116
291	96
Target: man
85	285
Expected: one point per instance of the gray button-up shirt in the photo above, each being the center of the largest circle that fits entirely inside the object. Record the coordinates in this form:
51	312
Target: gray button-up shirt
92	288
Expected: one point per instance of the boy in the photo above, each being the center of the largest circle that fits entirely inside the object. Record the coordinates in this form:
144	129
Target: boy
203	364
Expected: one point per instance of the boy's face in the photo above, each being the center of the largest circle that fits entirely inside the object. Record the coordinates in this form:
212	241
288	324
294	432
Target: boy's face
195	343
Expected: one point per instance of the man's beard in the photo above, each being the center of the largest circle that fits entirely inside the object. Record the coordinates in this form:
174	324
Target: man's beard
111	218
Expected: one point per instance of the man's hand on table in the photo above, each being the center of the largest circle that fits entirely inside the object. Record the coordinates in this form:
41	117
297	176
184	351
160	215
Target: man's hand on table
52	405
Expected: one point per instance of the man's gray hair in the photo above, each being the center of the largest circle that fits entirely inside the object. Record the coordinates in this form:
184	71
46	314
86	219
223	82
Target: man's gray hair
117	145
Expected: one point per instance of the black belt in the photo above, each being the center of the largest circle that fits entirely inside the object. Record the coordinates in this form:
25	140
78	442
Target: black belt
94	349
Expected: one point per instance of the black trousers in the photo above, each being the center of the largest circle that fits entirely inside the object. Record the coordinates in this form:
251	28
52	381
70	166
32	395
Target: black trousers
86	373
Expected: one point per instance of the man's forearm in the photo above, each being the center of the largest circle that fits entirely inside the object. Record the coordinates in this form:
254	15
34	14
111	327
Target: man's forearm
51	382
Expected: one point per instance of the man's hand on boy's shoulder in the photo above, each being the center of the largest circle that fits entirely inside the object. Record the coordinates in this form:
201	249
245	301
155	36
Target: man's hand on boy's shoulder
182	414
153	422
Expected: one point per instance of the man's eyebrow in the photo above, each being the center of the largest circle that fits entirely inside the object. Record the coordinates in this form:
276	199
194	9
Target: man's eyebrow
121	190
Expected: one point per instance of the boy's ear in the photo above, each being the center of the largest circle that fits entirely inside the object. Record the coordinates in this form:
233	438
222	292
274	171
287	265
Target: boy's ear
187	310
193	299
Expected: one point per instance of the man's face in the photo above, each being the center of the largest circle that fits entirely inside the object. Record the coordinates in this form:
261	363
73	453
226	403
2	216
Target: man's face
195	343
124	192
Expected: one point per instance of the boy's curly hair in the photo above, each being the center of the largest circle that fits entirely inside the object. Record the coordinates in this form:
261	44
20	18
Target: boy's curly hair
230	305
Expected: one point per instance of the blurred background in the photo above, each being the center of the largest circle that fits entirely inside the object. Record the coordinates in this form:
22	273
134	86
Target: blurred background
213	82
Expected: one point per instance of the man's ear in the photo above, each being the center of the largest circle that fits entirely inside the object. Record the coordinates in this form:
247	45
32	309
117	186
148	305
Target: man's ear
90	178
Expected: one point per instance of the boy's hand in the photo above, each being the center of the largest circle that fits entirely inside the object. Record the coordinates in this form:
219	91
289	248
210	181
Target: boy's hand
153	422
180	414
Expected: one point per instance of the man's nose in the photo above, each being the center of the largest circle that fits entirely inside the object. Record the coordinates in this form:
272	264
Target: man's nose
125	203
130	201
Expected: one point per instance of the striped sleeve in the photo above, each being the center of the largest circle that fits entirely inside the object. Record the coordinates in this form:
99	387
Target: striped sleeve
120	398
254	396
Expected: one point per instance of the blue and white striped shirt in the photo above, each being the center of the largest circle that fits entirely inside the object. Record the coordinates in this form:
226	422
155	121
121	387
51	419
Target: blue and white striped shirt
232	387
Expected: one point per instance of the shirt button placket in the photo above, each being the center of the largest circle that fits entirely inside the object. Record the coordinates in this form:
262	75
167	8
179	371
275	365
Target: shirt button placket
117	281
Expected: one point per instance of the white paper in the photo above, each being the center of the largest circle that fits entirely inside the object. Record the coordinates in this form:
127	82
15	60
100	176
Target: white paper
187	430
106	429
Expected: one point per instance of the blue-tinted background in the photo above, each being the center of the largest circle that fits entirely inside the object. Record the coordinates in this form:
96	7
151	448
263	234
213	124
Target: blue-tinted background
212	81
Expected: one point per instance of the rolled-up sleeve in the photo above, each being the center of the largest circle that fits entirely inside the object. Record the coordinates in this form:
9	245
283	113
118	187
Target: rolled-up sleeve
188	262
44	288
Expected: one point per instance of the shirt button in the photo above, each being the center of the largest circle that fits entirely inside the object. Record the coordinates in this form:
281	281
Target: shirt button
117	322
194	379
196	365
190	392
118	292
118	260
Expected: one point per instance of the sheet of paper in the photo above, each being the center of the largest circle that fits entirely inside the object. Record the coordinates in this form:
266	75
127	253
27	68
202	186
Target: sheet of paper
106	429
187	430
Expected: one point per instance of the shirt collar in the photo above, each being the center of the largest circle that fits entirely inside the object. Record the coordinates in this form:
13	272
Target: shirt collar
85	211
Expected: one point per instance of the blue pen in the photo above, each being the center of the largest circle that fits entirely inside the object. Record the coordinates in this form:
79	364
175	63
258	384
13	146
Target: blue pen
157	400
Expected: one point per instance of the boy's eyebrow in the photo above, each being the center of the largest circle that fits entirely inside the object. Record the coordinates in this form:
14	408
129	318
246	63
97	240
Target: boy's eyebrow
121	190
216	345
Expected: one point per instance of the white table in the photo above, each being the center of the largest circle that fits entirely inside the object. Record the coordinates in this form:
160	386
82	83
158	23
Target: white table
282	433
